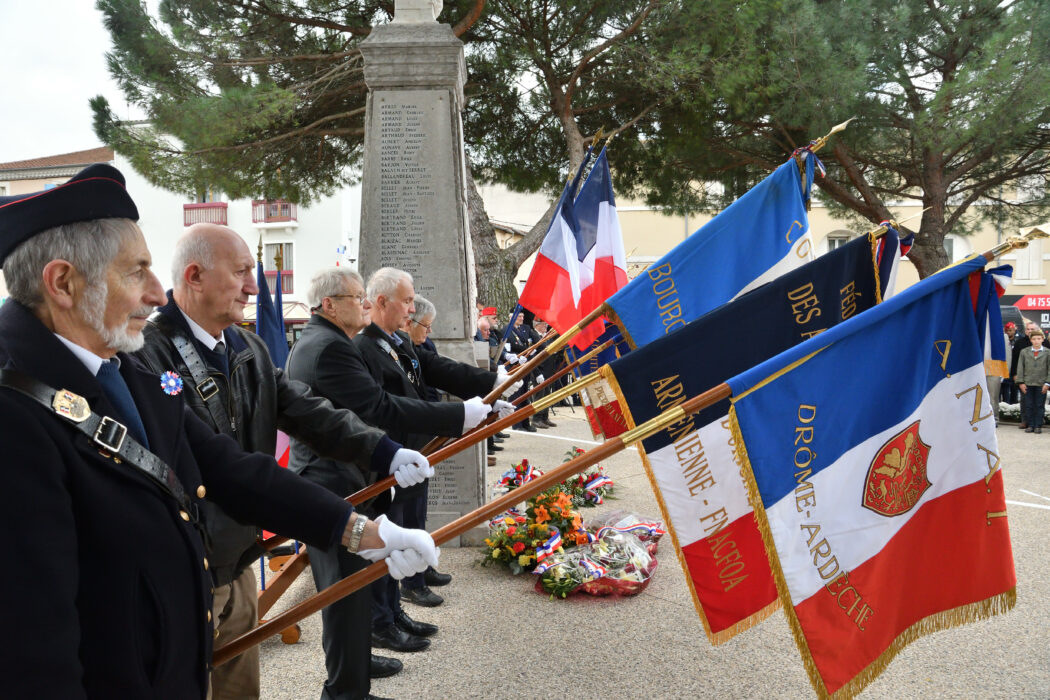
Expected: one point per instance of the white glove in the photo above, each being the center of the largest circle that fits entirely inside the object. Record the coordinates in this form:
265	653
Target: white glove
511	357
502	376
474	411
406	551
522	360
402	563
503	408
506	346
409	468
539	379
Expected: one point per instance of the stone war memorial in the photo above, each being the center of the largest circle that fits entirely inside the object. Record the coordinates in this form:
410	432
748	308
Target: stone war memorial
414	205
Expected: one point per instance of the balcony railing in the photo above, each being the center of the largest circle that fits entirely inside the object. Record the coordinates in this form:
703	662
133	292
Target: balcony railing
206	213
265	211
287	281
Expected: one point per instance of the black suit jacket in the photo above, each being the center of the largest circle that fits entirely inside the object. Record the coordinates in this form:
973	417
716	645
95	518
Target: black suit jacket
110	595
389	400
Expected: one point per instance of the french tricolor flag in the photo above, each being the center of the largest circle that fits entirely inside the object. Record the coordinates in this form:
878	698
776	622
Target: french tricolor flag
871	453
581	261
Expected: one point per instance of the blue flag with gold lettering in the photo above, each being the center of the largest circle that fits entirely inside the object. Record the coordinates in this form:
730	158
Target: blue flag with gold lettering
692	465
758	237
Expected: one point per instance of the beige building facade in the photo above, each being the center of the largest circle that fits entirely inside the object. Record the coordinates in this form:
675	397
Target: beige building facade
649	233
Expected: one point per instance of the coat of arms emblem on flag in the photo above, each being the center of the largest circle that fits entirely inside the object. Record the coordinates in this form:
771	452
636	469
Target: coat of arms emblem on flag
897	476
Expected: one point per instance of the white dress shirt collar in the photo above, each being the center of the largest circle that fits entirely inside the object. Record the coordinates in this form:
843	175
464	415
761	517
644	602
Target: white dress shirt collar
208	340
91	361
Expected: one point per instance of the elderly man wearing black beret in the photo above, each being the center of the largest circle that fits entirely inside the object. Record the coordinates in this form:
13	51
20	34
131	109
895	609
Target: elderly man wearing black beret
105	467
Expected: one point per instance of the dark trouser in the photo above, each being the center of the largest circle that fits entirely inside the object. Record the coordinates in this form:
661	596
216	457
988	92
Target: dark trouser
1008	391
543	415
415	515
524	388
1032	406
386	596
346	630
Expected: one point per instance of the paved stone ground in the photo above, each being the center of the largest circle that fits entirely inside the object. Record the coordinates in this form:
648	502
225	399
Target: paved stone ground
500	639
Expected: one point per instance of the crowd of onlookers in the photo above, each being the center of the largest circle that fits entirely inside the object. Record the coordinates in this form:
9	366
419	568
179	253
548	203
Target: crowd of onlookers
508	345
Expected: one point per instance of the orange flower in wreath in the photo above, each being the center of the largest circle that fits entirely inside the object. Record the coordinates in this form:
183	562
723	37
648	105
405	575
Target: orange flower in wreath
542	515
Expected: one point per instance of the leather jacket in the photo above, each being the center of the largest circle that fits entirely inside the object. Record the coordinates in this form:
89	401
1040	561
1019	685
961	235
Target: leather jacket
259	400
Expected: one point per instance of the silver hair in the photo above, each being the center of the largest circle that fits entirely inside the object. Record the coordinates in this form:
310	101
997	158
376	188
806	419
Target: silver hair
384	281
424	308
330	282
89	246
191	249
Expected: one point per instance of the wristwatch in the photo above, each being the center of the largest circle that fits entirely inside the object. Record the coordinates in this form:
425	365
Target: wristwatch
356	532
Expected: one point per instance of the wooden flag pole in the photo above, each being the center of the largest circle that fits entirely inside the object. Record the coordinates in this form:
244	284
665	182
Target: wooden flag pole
491	397
439	442
527	352
461	444
464	523
562	372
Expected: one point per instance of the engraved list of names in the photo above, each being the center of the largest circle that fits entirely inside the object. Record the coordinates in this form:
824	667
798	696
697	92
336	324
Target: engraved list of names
417	222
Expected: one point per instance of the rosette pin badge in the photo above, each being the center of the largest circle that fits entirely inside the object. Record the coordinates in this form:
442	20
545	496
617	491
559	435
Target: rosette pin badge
171	383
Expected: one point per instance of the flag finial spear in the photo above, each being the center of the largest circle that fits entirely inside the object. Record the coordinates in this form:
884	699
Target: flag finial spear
819	143
598	136
258	254
1015	242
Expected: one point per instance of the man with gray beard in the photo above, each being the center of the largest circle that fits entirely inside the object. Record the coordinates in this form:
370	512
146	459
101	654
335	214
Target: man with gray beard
105	467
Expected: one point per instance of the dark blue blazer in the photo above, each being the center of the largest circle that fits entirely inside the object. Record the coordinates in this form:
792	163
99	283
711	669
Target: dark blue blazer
108	589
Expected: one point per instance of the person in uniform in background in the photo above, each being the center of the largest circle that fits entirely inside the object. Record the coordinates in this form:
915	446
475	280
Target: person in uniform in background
521	337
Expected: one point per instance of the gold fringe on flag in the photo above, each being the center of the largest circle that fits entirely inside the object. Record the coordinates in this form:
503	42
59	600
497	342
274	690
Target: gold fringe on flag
946	619
611	314
716	638
874	241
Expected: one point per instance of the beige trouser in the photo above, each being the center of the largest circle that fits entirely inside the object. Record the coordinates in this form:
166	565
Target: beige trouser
235	611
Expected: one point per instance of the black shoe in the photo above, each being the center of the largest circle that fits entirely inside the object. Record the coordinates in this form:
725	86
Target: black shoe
375	697
528	429
497	438
1029	430
393	637
495	448
550	423
501	435
436	578
420	629
383	666
421	596
537	423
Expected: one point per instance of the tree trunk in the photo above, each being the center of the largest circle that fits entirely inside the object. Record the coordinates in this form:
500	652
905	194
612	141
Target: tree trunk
928	253
494	269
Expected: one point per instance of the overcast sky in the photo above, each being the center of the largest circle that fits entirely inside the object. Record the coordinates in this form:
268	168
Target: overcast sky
53	58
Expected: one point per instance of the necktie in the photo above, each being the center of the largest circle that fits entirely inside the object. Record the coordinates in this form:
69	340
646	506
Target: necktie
116	391
220	347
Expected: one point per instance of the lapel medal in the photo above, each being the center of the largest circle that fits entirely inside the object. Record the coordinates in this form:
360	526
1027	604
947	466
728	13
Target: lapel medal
171	383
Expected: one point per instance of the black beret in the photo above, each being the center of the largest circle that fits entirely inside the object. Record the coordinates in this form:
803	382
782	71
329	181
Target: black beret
96	192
